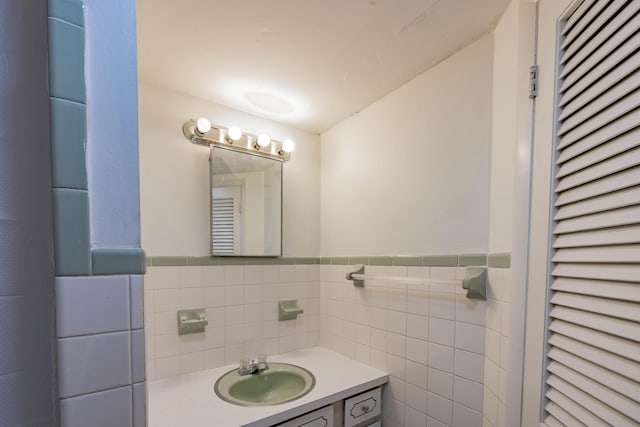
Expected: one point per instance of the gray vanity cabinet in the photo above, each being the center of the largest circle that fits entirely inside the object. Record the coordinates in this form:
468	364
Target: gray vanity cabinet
322	417
362	410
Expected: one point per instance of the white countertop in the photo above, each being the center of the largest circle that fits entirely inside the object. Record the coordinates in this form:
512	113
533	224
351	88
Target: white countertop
189	400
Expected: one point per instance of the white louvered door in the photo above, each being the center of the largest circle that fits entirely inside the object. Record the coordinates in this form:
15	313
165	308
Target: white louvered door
593	359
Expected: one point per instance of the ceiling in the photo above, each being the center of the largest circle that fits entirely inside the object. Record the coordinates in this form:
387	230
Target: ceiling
305	63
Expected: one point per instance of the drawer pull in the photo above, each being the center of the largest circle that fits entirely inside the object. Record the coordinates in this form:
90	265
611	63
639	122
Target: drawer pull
363	407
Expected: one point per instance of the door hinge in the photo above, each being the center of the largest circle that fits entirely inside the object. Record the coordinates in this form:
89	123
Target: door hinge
533	81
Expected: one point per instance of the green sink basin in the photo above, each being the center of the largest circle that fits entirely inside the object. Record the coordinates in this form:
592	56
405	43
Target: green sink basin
280	383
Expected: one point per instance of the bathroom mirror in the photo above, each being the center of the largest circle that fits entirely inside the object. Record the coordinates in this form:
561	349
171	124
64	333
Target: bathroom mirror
246	204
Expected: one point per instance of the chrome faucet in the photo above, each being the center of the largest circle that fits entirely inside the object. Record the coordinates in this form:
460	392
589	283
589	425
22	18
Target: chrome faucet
253	366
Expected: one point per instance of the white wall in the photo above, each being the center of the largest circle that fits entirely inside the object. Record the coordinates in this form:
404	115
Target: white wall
410	174
174	176
514	53
504	97
112	128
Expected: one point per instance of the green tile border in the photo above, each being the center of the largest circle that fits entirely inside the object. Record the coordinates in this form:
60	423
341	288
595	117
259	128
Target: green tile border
201	260
380	260
108	261
500	260
465	260
408	261
447	260
168	261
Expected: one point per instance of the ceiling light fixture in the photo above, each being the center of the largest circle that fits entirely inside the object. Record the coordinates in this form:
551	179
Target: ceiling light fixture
202	132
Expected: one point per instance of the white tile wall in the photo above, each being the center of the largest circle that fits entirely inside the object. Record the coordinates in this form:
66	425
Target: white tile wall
241	307
444	352
429	338
496	344
101	354
94	362
103	409
92	305
139	405
137	301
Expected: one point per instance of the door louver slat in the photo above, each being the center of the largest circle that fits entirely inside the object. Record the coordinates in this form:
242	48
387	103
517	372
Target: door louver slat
603	203
573	100
604	59
596	25
596	339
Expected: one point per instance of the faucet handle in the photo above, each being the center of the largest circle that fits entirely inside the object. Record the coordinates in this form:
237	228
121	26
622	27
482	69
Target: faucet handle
262	362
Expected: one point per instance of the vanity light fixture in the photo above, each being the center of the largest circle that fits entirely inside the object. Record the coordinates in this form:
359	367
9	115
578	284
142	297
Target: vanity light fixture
203	125
202	132
234	133
262	141
287	146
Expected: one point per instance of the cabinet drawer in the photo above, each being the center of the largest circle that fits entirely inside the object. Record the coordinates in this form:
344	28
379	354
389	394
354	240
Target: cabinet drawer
322	417
362	407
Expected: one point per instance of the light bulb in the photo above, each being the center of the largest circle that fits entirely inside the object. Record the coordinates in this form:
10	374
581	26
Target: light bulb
203	125
234	133
288	146
264	140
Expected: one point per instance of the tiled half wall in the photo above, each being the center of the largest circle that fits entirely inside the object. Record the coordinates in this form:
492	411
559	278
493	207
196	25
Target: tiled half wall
446	363
241	303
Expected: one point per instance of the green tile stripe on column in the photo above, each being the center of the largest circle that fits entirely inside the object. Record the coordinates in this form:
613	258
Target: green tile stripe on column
71	232
66	61
68	10
68	139
106	261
